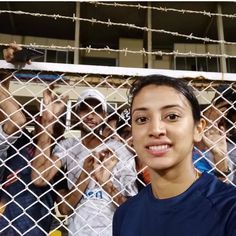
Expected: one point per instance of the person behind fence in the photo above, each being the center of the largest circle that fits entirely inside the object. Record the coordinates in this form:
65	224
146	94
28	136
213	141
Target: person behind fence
27	207
179	200
109	127
11	118
124	133
231	144
117	126
232	140
210	154
100	175
215	144
224	101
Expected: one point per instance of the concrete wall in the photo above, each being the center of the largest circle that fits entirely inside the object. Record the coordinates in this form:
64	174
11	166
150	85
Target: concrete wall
131	59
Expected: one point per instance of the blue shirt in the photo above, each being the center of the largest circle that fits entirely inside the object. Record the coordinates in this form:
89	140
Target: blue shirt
207	208
28	206
200	161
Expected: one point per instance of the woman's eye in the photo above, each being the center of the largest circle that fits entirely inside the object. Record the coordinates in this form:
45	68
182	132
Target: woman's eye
172	117
140	120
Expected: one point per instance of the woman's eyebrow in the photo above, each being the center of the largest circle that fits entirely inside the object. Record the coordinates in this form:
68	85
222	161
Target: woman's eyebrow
172	106
162	108
139	109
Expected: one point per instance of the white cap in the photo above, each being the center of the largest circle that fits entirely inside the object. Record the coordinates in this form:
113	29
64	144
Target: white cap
94	94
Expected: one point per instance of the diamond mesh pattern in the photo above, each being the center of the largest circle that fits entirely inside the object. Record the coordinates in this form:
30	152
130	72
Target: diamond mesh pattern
27	89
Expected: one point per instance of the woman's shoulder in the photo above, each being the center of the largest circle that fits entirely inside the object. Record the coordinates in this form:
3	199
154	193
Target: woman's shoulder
136	201
220	194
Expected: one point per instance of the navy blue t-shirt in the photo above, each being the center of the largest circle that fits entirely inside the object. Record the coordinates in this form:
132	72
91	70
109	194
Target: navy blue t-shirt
28	206
207	208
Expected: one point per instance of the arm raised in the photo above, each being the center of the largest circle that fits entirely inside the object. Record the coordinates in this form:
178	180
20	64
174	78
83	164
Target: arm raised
45	165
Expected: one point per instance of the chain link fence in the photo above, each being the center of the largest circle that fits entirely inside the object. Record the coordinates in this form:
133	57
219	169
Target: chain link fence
69	197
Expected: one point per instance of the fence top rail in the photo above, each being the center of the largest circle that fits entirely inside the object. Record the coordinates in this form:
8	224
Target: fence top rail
121	71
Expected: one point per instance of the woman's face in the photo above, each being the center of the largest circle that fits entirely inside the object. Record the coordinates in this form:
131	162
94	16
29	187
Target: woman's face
163	128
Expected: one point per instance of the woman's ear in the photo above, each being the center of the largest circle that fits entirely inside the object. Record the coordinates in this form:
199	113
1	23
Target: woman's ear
199	129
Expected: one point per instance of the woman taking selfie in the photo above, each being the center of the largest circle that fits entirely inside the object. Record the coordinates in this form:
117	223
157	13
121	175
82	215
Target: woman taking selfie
166	122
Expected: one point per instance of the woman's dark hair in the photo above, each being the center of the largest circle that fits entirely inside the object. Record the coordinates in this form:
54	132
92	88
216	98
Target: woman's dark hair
176	83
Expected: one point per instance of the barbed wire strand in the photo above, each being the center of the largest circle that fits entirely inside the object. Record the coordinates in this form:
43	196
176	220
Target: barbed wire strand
165	9
125	51
110	23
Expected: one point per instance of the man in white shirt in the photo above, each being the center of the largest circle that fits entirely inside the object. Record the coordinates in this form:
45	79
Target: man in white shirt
101	176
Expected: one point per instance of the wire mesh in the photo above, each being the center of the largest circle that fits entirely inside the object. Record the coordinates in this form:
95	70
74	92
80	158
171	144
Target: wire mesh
69	194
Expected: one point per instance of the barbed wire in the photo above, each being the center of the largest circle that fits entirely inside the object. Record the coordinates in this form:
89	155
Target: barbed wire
125	51
110	23
165	9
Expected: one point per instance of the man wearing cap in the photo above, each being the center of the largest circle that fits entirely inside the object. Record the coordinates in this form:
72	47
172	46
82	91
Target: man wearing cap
101	175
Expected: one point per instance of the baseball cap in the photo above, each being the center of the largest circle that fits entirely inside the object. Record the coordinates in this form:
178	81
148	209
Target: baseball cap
93	94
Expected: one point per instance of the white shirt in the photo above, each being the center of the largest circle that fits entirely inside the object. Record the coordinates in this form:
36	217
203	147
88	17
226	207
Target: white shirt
93	215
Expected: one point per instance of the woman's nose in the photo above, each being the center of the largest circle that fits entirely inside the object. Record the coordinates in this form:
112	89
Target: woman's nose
157	127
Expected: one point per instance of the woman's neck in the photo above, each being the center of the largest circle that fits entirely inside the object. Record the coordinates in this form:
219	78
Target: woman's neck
171	183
